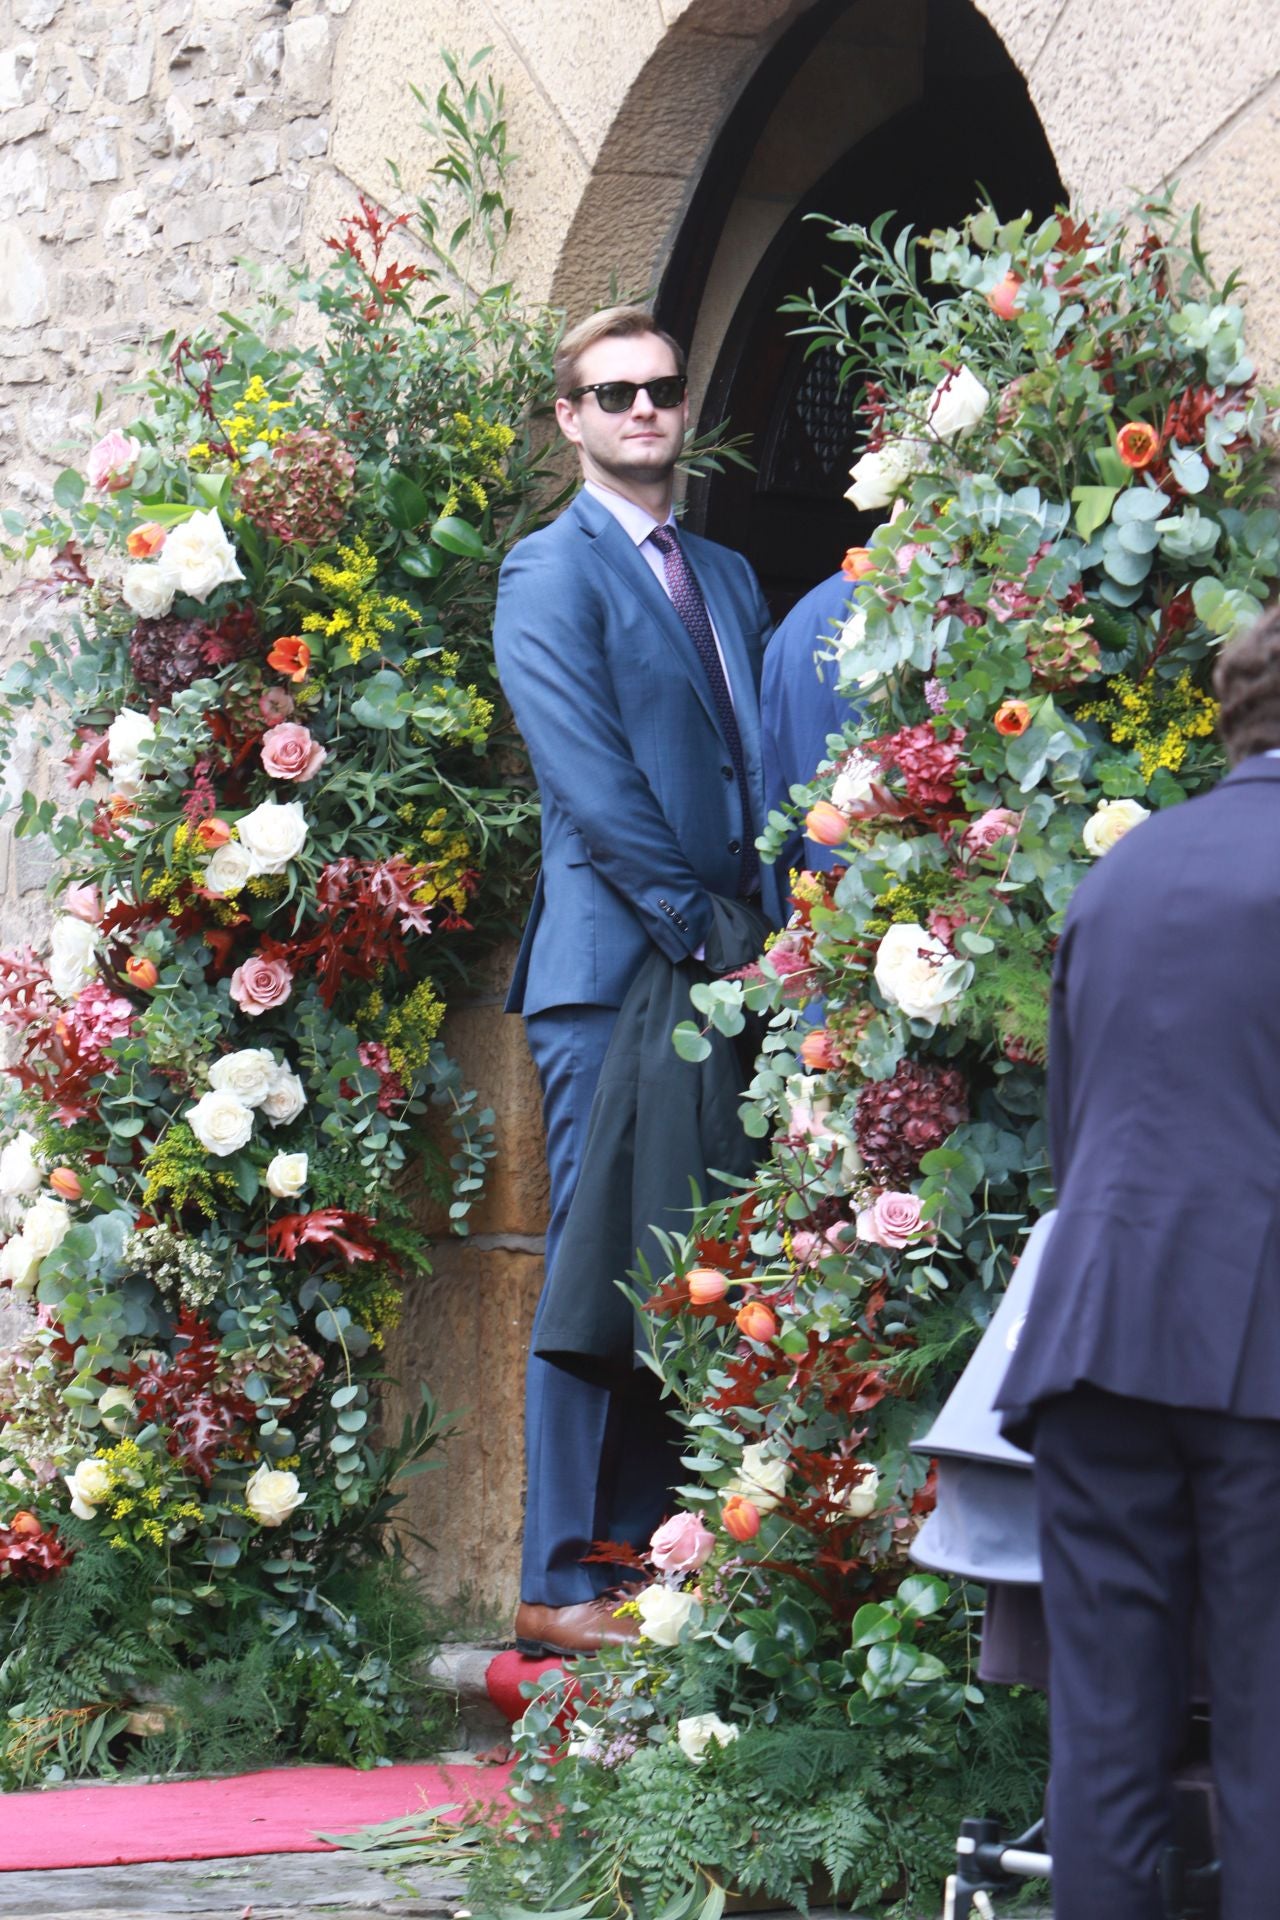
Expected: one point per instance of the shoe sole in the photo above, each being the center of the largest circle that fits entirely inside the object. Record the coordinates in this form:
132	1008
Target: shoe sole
537	1648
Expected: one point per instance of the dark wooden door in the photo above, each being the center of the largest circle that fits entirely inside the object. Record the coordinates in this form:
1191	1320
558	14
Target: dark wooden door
974	129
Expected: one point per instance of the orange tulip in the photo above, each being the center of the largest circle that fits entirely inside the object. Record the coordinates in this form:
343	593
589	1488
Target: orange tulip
140	972
739	1518
757	1321
706	1285
24	1524
1012	717
213	832
1002	296
290	656
65	1182
1137	444
145	542
857	563
826	824
818	1050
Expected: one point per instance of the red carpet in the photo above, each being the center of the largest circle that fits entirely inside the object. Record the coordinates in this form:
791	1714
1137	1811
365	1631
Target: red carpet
275	1812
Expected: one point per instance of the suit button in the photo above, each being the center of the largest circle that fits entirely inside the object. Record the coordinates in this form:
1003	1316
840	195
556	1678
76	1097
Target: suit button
735	846
727	772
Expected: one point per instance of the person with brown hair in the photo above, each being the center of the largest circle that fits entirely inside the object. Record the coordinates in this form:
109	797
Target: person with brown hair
630	652
1146	1379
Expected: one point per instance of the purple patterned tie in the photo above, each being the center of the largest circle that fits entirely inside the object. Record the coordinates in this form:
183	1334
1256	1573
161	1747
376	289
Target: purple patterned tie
686	598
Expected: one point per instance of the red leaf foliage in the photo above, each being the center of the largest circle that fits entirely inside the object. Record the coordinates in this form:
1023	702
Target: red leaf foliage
351	1233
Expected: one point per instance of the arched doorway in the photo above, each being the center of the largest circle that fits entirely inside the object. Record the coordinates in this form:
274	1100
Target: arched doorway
971	128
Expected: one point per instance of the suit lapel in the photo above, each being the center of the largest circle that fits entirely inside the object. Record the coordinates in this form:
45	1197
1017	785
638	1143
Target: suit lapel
616	550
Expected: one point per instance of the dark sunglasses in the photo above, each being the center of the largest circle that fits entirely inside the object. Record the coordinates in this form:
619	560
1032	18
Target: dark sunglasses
619	396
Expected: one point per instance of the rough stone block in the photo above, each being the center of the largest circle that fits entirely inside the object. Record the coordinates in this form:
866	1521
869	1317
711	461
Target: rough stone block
1237	180
34	15
308	60
98	157
24	181
23	123
24	287
18	75
466	1333
126	71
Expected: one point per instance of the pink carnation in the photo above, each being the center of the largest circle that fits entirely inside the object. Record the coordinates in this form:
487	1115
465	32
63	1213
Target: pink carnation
111	462
290	753
892	1220
681	1544
275	703
260	984
996	824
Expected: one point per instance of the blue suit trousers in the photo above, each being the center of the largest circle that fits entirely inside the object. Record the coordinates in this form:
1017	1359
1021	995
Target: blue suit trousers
598	1465
1148	1512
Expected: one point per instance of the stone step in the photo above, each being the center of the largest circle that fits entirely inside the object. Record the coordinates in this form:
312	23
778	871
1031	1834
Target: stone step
459	1668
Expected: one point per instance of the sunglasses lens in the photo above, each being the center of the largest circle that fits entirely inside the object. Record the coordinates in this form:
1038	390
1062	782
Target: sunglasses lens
668	392
616	396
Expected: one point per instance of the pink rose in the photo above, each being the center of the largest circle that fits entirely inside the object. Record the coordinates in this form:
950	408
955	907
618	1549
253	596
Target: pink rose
892	1220
83	903
997	823
806	1247
260	984
289	753
681	1544
275	703
111	462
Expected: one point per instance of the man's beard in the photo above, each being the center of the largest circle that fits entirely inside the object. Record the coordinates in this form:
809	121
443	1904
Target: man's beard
655	472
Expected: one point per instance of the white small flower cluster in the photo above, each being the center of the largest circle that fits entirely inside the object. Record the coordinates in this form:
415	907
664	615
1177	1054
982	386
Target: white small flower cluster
241	1084
196	557
270	837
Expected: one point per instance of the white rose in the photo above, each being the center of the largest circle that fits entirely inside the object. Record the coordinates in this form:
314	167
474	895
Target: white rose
117	1407
45	1225
285	1099
230	868
248	1074
197	556
957	404
220	1122
1110	822
878	476
125	738
664	1612
88	1486
147	589
696	1733
762	1478
20	1173
287	1175
271	1495
72	956
918	973
858	790
19	1265
274	833
860	1500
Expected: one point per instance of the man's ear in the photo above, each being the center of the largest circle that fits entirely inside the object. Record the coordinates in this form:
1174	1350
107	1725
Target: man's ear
567	418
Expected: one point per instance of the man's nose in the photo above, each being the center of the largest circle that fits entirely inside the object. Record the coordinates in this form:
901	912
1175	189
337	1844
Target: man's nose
642	404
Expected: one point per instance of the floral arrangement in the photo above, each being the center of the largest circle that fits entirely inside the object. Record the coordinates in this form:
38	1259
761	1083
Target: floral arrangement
1069	434
294	818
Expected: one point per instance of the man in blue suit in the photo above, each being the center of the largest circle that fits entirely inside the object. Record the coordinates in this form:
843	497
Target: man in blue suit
630	654
799	708
1147	1375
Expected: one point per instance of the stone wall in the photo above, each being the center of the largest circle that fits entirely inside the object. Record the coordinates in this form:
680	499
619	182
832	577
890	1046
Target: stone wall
149	146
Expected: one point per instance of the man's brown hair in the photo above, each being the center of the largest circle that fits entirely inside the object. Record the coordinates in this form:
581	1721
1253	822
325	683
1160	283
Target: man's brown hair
612	323
1246	680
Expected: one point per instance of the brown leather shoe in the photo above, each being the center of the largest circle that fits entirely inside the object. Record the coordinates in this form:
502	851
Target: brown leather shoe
584	1628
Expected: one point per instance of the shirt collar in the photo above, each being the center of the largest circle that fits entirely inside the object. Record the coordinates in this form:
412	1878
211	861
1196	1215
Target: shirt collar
636	522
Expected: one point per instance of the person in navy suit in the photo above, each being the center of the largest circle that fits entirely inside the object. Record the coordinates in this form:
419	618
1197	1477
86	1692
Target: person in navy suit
799	708
630	653
1147	1375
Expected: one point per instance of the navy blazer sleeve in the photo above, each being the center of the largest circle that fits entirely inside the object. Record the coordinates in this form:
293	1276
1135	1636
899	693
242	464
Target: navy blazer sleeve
549	646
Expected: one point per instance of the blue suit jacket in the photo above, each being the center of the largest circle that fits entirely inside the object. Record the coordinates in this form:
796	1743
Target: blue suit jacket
1161	1279
799	707
641	813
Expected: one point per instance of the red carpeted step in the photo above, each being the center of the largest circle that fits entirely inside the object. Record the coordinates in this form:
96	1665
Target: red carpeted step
280	1811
